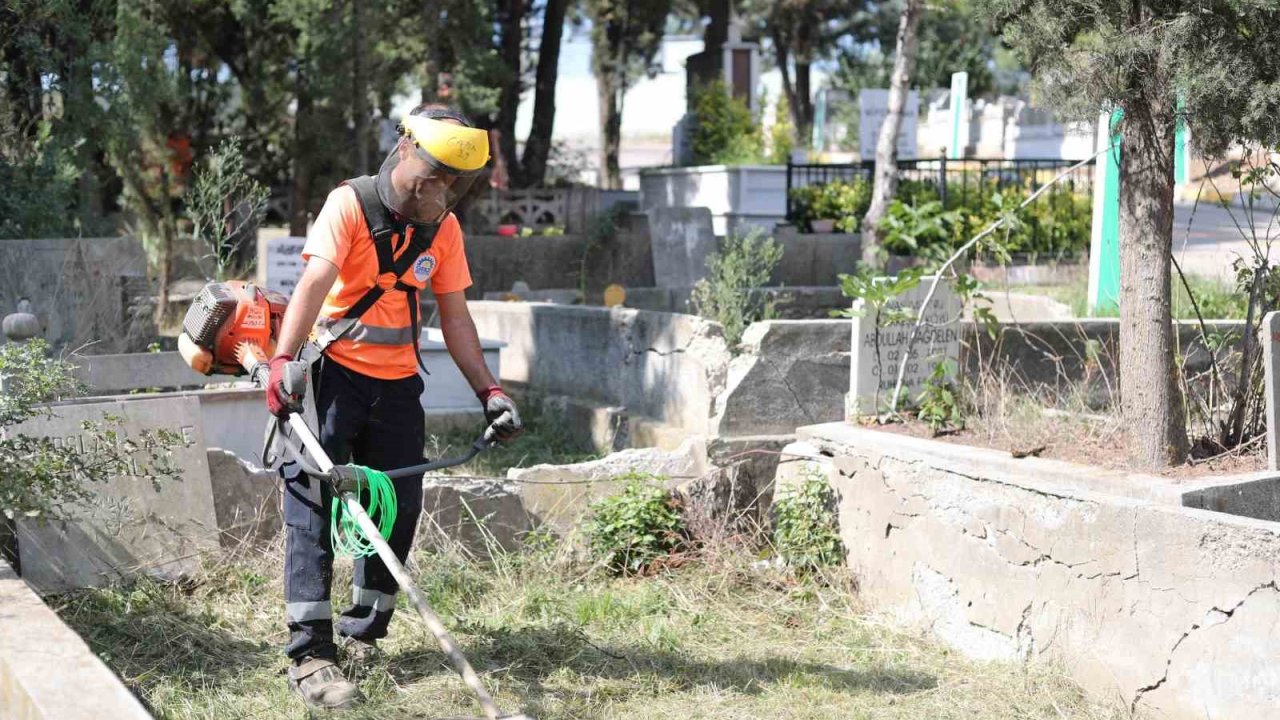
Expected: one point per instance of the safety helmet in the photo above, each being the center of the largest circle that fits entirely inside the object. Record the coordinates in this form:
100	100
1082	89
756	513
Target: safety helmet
433	166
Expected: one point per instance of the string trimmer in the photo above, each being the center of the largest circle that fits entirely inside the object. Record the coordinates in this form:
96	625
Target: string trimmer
231	329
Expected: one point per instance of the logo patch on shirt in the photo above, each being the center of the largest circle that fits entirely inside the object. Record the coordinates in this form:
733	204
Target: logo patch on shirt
423	267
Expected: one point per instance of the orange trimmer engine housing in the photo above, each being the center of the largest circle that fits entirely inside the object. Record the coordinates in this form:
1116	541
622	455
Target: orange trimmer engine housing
230	326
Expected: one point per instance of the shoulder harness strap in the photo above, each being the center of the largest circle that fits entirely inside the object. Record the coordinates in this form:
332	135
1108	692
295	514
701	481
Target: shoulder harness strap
383	228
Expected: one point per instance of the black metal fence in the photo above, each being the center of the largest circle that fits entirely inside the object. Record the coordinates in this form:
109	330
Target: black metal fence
952	175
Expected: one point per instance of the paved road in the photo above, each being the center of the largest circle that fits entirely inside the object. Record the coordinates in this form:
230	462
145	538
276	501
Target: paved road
1214	238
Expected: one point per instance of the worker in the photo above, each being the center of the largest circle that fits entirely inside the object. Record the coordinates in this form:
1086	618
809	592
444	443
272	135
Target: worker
376	243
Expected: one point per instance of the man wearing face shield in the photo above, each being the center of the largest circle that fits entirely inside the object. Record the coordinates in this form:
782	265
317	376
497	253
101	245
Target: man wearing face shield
376	243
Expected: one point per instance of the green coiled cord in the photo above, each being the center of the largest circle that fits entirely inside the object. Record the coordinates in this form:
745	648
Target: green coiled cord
380	493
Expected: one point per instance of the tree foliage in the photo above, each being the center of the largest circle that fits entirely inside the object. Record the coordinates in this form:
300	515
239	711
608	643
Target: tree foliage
1211	65
625	39
952	37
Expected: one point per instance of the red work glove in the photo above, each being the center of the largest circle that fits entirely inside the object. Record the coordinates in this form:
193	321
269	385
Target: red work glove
279	402
496	403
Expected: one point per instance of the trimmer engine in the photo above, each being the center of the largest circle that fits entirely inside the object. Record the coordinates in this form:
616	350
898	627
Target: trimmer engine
231	326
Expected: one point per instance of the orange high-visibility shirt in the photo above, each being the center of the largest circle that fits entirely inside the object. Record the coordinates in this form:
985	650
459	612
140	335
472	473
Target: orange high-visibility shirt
381	344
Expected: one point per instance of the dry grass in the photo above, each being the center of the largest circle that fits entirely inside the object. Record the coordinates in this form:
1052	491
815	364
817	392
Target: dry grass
714	639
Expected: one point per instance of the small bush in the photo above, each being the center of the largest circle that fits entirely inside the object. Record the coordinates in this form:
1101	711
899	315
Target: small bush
725	295
630	530
805	531
226	205
724	131
843	201
938	405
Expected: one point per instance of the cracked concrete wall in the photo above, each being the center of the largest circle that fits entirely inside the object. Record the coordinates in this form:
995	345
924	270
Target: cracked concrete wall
662	366
1170	608
788	373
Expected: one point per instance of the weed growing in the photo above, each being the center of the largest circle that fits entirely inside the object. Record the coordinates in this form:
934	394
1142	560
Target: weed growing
628	531
805	532
713	640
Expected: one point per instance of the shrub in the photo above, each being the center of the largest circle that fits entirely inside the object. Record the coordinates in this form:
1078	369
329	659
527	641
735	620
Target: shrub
724	131
937	403
631	529
844	201
921	230
40	477
725	295
226	206
805	531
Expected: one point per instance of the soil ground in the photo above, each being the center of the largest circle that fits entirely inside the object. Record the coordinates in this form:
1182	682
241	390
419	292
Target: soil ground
1076	439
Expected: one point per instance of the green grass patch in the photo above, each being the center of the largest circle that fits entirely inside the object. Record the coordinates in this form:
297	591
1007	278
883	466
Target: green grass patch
563	641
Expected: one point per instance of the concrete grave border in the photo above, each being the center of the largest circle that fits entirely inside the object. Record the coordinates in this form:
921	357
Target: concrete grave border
47	672
1170	608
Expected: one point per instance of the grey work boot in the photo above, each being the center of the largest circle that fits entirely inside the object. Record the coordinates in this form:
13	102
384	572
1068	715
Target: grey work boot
323	686
359	652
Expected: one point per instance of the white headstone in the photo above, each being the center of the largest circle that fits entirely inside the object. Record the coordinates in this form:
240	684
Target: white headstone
873	106
680	238
131	525
1271	370
872	379
284	263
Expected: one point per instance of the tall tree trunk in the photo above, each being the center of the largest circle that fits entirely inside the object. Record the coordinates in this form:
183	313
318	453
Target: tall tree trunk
300	193
359	90
609	90
533	169
1150	398
717	32
802	103
886	172
510	23
431	62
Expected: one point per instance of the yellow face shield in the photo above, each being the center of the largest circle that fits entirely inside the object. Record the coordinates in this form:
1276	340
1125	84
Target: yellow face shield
431	168
456	147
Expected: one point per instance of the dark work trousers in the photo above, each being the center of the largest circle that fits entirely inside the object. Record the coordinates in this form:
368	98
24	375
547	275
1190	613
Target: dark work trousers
371	422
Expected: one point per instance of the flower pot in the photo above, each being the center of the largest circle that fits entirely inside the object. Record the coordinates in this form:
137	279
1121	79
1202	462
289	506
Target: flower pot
823	226
507	230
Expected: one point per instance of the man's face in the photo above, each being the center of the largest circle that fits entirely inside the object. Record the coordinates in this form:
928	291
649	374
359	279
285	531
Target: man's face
424	190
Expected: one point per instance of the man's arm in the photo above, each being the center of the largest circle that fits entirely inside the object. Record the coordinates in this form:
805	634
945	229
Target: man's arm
463	341
308	297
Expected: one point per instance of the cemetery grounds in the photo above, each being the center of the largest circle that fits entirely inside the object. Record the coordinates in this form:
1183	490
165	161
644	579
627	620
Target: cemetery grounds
716	634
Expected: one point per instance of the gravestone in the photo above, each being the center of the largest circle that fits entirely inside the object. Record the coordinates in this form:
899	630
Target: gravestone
680	238
873	107
1271	370
130	525
872	379
283	264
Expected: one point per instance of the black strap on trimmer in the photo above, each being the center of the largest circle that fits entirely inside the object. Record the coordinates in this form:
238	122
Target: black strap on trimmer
384	229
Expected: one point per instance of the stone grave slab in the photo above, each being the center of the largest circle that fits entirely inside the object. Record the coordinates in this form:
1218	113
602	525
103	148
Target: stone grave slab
130	525
283	263
680	238
876	356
